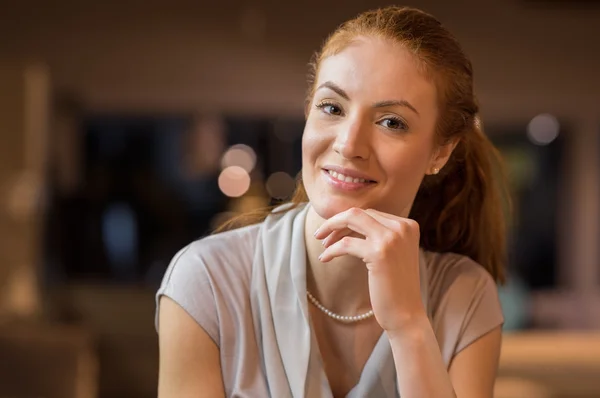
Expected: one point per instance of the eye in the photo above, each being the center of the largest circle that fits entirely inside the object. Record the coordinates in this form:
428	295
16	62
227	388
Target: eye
393	123
329	108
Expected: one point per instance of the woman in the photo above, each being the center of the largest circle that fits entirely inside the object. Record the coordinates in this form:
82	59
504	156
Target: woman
379	279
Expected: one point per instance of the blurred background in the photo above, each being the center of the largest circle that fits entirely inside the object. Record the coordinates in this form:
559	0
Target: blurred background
128	130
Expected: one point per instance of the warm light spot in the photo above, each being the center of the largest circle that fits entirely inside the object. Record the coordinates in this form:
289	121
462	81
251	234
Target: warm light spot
239	155
280	185
234	181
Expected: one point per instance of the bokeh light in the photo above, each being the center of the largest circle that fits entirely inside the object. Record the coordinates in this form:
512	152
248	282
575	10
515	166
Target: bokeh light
234	181
239	155
280	185
543	129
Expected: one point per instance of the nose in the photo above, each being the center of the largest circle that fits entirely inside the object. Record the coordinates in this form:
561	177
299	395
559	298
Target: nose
352	141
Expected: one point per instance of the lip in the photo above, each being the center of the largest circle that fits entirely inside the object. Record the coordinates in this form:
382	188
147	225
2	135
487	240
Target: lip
348	172
344	185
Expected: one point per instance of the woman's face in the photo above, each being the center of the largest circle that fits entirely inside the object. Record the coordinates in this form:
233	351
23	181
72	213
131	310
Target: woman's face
369	136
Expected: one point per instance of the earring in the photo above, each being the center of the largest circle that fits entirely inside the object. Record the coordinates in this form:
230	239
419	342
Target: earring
436	170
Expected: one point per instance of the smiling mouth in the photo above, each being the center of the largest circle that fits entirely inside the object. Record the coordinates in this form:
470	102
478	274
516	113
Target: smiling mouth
344	178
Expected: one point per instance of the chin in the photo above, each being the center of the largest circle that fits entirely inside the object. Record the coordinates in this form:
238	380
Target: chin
330	206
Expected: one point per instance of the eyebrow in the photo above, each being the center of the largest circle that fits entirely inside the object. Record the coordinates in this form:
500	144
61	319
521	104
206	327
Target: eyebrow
381	104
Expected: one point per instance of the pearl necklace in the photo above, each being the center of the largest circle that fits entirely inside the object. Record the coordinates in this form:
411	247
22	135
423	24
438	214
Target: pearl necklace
337	317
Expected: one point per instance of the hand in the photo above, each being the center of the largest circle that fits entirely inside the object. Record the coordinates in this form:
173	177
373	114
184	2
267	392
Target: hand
389	247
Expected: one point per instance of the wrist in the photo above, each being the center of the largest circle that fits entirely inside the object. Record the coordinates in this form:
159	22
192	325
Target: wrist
414	328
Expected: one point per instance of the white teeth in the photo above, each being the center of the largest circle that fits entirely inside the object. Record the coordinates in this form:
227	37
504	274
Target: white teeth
341	177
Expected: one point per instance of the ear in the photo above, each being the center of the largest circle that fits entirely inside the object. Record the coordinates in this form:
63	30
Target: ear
441	155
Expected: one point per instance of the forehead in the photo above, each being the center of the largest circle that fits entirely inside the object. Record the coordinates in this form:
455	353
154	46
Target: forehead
374	69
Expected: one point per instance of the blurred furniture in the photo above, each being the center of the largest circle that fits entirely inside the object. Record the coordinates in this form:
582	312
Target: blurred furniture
46	360
549	365
122	320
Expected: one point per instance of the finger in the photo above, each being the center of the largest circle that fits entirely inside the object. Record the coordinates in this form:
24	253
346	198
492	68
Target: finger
348	245
337	235
380	214
389	220
355	219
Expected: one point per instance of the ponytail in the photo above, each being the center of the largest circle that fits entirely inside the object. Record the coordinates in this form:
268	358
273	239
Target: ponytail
464	209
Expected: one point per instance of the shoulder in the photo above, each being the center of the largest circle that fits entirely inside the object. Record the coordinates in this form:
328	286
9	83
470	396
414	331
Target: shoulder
221	244
451	271
229	251
227	257
210	275
463	301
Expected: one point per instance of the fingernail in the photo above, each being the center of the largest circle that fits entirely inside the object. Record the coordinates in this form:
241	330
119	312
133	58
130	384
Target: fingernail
323	242
320	257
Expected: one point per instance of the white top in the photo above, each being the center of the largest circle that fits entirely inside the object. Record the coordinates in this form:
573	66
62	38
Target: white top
247	289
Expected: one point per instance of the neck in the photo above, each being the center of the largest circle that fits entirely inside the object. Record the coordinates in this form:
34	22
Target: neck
341	285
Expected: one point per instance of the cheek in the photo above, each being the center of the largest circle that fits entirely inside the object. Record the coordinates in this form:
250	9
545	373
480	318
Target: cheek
313	144
408	168
306	143
308	155
314	147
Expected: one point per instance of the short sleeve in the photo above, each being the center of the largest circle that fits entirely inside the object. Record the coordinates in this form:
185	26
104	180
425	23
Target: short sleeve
187	283
465	303
483	314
